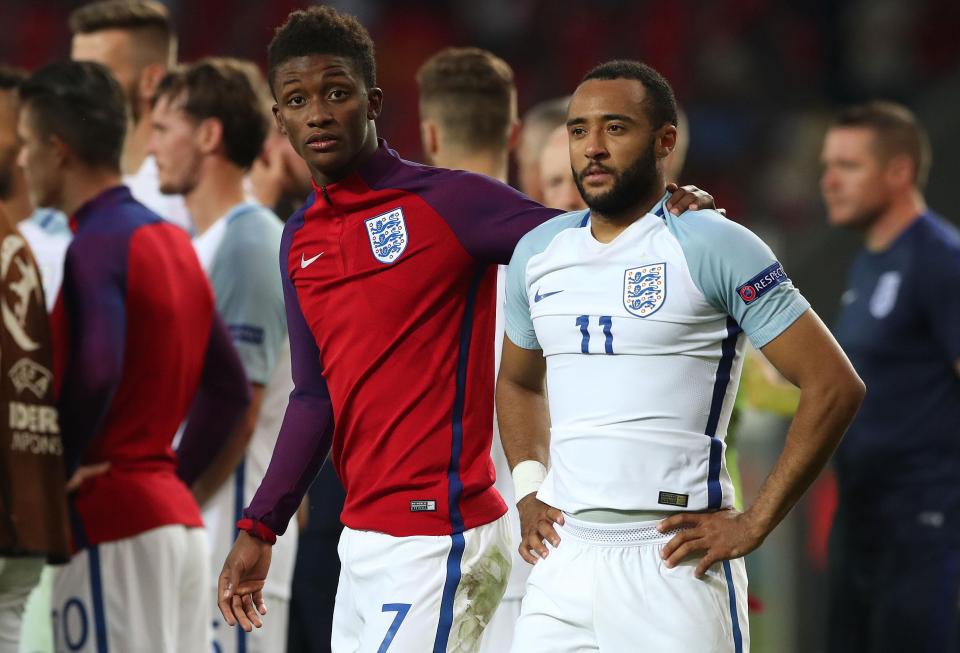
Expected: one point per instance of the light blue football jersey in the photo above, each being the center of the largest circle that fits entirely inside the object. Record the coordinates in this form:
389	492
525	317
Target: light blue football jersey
239	253
643	342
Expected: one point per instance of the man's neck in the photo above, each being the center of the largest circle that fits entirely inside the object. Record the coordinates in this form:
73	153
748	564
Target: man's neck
220	188
81	186
135	146
17	206
491	164
606	227
897	218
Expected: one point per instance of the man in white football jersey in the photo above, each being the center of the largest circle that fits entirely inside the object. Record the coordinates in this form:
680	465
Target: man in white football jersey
634	318
209	126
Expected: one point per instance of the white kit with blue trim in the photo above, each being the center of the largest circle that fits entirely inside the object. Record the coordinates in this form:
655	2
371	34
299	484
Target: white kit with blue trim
643	338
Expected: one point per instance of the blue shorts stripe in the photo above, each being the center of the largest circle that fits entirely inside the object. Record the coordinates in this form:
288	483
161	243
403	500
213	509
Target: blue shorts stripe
449	593
734	617
96	594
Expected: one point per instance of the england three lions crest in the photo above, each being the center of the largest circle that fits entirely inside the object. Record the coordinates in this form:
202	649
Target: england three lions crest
644	289
388	235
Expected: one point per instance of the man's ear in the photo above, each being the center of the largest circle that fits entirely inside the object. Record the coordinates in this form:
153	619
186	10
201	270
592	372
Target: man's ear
61	151
374	102
513	137
666	141
901	171
278	118
210	135
430	138
149	80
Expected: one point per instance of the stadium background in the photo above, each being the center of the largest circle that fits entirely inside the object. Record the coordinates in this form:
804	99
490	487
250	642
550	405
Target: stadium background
758	79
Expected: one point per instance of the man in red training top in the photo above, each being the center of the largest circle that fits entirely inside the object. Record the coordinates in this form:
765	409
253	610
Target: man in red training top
129	366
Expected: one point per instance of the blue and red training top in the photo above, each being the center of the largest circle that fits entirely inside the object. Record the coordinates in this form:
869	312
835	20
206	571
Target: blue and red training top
390	280
138	344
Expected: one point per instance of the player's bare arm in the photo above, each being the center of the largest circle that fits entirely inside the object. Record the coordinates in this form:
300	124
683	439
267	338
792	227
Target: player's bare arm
525	432
830	394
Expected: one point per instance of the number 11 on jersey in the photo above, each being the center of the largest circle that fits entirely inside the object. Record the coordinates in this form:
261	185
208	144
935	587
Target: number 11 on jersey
606	323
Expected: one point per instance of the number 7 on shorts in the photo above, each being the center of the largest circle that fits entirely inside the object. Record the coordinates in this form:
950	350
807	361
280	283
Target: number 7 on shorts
401	609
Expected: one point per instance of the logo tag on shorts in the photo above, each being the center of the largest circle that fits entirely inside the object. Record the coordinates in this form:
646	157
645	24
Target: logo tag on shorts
764	282
672	499
423	505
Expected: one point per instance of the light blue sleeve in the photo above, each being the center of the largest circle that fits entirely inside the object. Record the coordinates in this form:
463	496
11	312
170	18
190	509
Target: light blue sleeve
738	274
248	290
518	323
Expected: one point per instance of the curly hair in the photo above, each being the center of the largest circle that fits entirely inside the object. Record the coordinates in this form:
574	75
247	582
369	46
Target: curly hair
322	30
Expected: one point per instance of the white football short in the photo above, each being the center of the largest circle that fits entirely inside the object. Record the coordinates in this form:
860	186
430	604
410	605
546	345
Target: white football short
498	635
145	594
605	588
18	577
419	594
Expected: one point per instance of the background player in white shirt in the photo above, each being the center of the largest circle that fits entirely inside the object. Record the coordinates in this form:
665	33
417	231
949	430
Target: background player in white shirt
640	314
136	41
209	126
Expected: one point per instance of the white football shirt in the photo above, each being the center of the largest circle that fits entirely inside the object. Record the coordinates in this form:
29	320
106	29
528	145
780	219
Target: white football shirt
239	253
643	342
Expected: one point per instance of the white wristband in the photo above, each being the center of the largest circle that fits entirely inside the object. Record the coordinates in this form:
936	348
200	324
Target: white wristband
528	477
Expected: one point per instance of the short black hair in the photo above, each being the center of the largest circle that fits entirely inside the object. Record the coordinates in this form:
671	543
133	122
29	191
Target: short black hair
11	78
897	131
81	103
660	101
322	30
221	88
471	93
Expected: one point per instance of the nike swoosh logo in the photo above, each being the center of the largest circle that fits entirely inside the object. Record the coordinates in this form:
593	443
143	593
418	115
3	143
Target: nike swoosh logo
537	297
304	262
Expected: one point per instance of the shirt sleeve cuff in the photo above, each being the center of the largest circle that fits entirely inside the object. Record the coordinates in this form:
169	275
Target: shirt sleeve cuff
258	530
521	340
763	336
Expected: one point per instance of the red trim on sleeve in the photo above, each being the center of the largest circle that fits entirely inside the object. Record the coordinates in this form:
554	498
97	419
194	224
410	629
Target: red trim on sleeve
258	530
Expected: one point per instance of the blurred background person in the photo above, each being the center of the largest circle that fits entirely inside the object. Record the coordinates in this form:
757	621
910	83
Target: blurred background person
128	365
33	510
47	233
895	544
136	41
556	177
45	229
536	126
468	121
209	125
